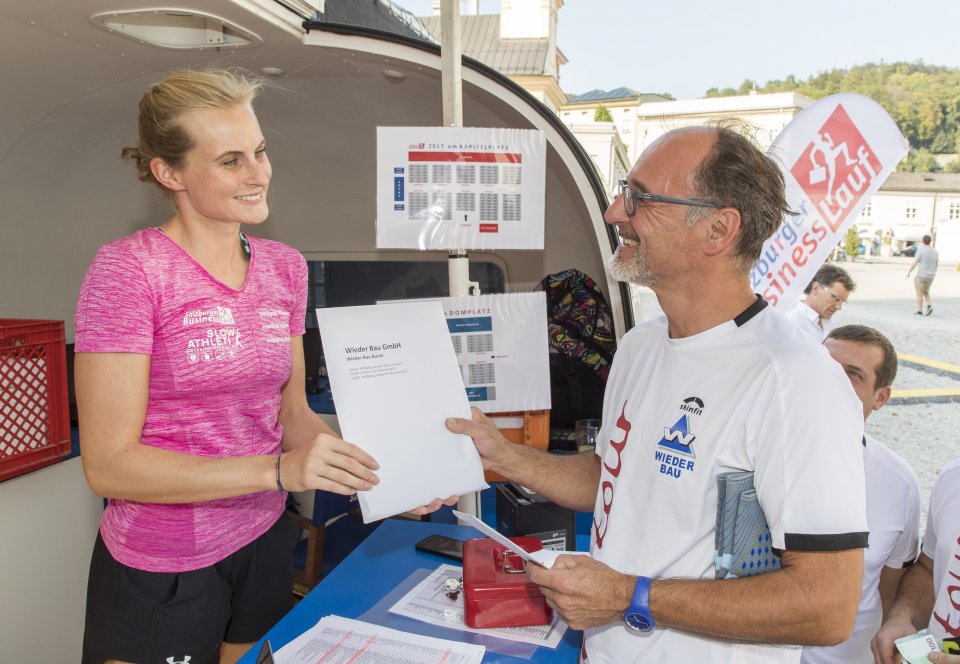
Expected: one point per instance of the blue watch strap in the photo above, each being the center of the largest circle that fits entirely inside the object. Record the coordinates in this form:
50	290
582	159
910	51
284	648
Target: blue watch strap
637	615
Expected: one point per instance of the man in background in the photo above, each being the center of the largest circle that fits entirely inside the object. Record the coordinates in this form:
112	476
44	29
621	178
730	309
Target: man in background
927	597
893	494
824	296
926	260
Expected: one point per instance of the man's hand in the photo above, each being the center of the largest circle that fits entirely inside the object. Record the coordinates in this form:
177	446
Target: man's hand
585	592
882	645
489	441
911	608
943	658
567	480
435	505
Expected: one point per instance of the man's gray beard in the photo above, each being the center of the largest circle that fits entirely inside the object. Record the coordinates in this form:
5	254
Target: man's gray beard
632	270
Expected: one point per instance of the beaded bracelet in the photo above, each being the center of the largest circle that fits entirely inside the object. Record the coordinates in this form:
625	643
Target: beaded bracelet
279	484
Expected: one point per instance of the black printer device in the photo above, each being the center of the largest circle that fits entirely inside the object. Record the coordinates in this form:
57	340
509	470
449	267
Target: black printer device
521	511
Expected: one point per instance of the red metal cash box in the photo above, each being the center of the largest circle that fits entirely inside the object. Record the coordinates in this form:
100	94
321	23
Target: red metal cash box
496	591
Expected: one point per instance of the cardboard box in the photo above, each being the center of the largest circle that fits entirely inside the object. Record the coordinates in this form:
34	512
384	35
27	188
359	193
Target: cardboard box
530	427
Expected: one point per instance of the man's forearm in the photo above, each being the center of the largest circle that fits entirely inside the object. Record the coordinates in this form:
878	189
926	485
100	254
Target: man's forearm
915	596
811	601
569	480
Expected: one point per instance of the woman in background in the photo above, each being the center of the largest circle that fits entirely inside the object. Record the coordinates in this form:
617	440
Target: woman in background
191	393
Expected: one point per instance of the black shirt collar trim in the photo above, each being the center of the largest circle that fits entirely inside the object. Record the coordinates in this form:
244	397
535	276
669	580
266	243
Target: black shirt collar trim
758	305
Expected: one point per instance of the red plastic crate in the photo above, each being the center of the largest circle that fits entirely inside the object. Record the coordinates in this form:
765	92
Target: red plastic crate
34	413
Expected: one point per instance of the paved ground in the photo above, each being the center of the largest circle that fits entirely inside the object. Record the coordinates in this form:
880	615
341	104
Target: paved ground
924	430
922	422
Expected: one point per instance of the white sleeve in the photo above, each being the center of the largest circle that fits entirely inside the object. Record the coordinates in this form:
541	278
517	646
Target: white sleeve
929	544
905	551
809	456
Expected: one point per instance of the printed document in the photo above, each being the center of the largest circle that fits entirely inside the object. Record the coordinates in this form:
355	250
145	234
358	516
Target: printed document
502	348
336	639
466	187
395	379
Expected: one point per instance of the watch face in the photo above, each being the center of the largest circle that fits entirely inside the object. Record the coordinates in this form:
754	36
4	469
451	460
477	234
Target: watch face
638	621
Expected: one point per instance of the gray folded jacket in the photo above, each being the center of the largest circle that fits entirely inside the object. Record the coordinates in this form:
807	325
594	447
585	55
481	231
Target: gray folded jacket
742	536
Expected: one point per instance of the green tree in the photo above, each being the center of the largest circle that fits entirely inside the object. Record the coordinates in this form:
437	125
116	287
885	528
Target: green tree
851	243
602	114
721	92
919	161
924	100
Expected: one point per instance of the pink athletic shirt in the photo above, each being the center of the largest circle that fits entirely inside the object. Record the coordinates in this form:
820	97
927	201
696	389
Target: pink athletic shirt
218	359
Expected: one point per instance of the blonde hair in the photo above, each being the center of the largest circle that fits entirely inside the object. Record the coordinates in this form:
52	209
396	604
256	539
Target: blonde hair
161	132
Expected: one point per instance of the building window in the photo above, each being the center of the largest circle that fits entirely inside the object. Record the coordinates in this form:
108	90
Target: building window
867	210
955	210
911	210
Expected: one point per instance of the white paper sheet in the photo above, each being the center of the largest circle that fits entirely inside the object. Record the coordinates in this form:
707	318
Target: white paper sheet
395	379
543	557
336	639
460	187
428	602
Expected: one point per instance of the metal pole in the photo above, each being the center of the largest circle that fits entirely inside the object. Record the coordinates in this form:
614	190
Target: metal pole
451	81
451	71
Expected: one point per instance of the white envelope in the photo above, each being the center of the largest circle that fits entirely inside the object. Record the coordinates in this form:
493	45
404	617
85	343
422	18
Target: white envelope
394	379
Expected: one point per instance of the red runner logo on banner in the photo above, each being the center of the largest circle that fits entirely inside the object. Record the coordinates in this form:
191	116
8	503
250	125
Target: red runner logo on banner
835	154
837	168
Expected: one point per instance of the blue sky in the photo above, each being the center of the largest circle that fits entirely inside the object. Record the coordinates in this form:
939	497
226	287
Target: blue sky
685	47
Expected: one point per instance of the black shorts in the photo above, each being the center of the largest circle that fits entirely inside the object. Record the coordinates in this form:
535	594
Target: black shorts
146	617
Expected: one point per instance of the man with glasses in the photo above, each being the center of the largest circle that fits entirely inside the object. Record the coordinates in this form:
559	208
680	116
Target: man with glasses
721	383
824	296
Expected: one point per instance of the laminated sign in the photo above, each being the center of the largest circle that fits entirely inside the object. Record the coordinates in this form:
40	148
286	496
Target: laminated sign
835	154
460	188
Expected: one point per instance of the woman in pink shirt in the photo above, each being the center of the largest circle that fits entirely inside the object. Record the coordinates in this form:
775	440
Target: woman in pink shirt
190	388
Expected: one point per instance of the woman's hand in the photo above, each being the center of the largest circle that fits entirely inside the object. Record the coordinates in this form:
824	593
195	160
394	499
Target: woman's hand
330	464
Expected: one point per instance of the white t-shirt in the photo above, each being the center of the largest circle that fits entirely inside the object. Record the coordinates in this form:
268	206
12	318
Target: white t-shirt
809	321
941	541
749	394
893	514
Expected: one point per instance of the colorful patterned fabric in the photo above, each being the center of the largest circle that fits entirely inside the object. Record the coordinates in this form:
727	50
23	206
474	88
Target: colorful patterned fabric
579	320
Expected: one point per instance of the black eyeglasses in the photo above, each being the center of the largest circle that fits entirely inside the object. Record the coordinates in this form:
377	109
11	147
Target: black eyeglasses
631	196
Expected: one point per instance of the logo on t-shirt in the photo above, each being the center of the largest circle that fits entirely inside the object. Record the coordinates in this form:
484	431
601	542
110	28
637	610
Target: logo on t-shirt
276	323
675	452
219	315
612	466
220	341
837	168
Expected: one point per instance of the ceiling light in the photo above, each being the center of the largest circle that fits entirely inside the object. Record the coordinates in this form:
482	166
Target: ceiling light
176	29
